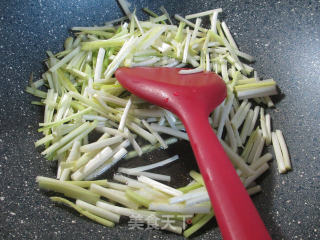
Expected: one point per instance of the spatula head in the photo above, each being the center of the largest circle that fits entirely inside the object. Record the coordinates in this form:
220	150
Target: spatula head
167	88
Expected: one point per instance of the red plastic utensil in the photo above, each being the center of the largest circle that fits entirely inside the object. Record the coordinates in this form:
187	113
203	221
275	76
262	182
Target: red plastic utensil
192	98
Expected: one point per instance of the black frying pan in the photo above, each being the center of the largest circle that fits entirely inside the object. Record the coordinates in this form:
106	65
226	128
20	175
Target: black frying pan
282	35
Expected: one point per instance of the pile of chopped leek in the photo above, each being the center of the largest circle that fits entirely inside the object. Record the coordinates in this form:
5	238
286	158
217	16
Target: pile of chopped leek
81	96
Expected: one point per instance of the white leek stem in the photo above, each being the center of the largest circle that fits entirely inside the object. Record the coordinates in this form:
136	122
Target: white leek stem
239	111
237	136
111	99
63	106
89	117
117	210
98	211
257	92
224	71
196	29
263	124
113	195
129	181
99	64
125	7
66	138
100	28
181	19
246	126
284	150
155	133
231	137
120	152
179	208
208	68
124	115
142	132
191	71
77	138
254	148
164	11
186	46
100	144
213	21
73	155
138	23
44	140
148	25
170	131
217	114
225	114
204	197
202	14
192	194
157	112
152	36
257	174
254	119
125	50
229	36
117	186
268	128
170	118
133	142
146	63
269	101
64	60
93	164
153	166
277	151
61	159
159	186
242	116
154	194
260	161
155	176
112	131
172	64
244	56
237	160
259	150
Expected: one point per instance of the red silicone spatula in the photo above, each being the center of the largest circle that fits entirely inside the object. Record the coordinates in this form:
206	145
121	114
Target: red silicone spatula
192	98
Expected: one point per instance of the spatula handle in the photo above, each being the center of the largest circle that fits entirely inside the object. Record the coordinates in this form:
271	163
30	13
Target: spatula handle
236	215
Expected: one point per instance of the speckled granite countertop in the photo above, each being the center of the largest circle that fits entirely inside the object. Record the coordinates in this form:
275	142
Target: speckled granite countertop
284	36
